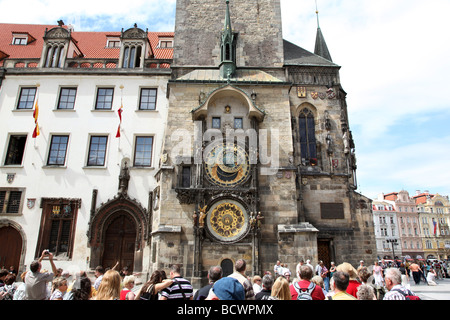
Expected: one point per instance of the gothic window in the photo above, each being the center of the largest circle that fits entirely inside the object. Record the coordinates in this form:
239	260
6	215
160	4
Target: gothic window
132	56
54	56
16	149
307	137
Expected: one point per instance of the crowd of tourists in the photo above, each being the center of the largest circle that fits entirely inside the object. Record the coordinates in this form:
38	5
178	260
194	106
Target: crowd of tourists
383	280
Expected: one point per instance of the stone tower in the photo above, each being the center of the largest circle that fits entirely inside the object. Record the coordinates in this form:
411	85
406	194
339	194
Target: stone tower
258	161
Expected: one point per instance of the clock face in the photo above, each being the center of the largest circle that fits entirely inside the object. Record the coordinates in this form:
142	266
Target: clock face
227	165
227	221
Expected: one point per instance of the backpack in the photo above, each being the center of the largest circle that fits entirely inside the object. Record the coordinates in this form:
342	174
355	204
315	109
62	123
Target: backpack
304	293
409	295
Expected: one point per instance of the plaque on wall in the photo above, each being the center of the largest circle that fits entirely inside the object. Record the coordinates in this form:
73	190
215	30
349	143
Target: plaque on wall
332	211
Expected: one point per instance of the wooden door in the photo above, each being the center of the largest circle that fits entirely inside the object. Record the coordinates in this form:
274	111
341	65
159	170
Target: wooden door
10	248
323	247
119	246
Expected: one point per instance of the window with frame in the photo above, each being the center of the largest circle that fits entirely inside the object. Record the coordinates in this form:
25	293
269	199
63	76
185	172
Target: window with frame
11	200
20	41
58	226
58	150
67	98
97	151
16	149
166	44
216	123
143	152
104	99
307	131
147	100
238	123
26	98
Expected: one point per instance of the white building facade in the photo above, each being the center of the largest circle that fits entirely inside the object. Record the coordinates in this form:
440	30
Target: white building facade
90	173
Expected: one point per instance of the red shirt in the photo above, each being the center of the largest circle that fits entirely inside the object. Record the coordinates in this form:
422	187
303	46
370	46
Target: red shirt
353	287
317	293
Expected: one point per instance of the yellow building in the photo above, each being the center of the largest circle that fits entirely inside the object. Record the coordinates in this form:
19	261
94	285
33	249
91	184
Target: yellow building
434	213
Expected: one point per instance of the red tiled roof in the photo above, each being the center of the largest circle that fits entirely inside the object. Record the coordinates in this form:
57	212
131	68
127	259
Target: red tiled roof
91	44
422	198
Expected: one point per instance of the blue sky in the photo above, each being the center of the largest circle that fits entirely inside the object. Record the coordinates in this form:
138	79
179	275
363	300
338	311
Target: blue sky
394	57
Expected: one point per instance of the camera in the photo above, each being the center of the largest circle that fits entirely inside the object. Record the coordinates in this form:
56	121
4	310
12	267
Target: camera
46	252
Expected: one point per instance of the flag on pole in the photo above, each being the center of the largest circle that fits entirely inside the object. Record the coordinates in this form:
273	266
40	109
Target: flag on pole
435	226
35	116
120	117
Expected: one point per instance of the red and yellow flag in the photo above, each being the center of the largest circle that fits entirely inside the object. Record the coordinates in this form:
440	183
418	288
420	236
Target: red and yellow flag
35	116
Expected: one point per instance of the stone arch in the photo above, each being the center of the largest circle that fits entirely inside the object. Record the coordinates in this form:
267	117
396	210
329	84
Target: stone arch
4	223
120	205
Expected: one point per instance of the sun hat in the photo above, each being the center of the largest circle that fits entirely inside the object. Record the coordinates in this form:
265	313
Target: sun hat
229	289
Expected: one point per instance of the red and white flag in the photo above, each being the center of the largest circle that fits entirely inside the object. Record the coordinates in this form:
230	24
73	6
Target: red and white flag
120	117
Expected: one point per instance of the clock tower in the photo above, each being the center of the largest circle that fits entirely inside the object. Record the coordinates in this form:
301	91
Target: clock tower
258	160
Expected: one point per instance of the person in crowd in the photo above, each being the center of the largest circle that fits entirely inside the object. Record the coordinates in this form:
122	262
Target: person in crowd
431	277
180	289
393	280
332	270
59	288
3	274
365	292
340	283
319	281
19	294
277	269
267	284
109	288
9	288
239	274
280	289
256	280
404	272
81	289
151	289
215	273
304	287
353	280
416	271
36	281
99	273
227	288
128	285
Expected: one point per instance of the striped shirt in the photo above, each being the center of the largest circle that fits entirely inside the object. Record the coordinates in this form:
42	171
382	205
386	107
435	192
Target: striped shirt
176	290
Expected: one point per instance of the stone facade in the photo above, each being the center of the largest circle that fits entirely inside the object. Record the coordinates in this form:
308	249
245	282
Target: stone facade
309	205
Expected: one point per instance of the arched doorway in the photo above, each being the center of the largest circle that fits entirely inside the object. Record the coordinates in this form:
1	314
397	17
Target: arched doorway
227	267
10	254
120	242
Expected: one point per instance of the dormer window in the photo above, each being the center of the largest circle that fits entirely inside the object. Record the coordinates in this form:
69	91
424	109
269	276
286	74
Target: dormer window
22	39
113	42
165	43
19	41
135	48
